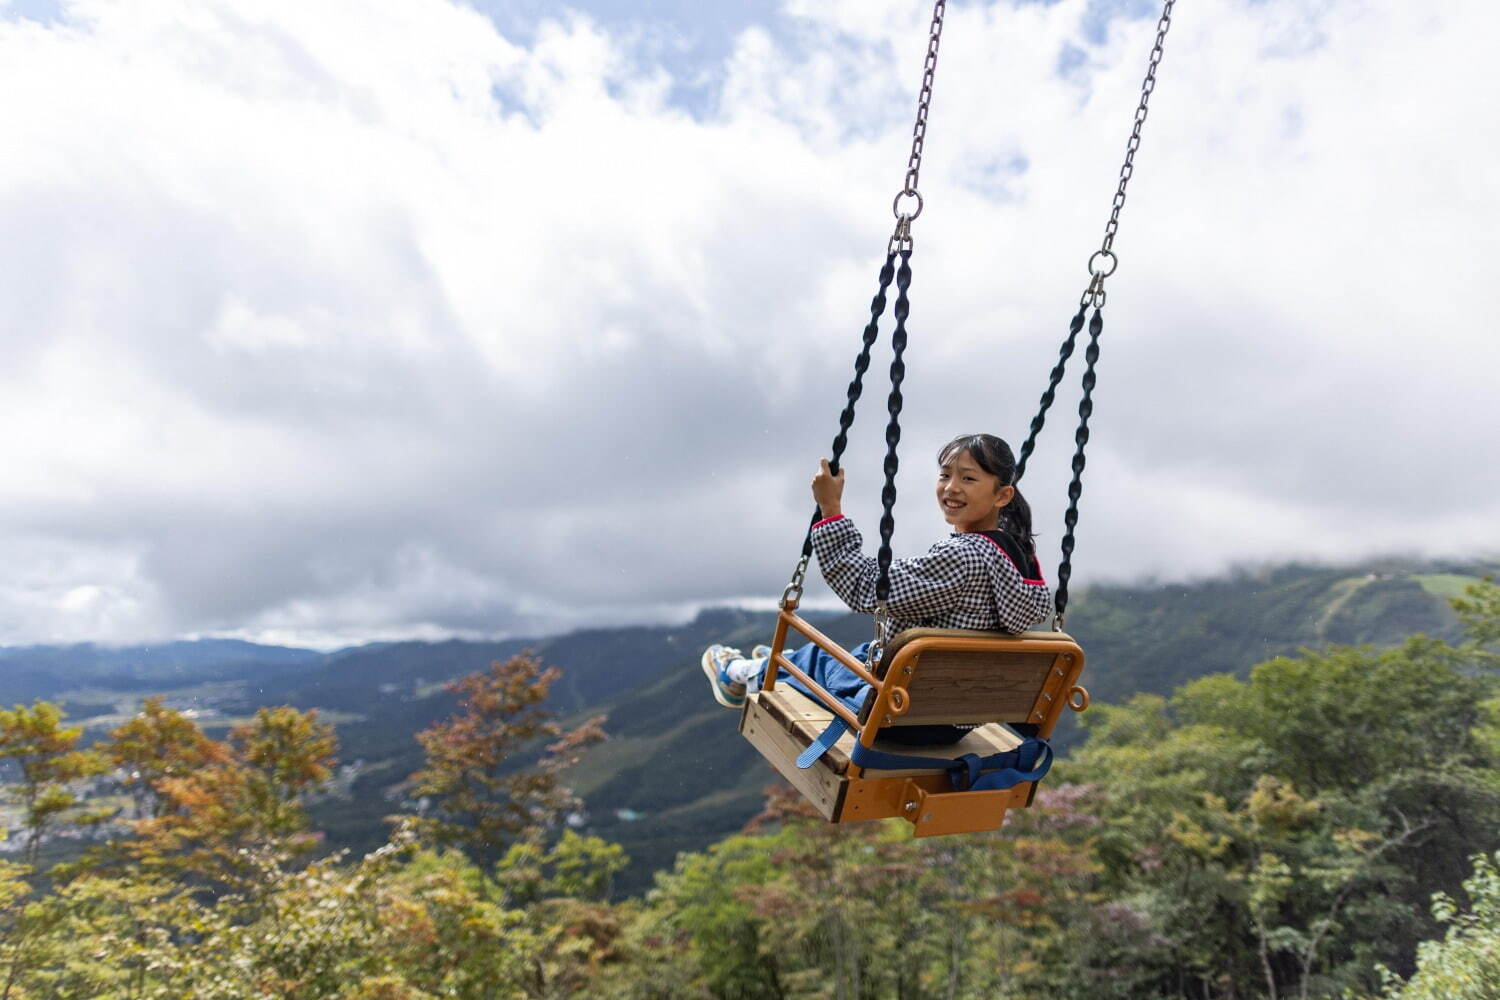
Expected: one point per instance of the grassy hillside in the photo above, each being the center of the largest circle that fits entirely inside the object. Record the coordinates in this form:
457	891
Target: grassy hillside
1155	638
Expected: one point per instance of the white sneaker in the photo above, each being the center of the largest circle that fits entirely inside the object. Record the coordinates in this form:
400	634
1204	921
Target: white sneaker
726	692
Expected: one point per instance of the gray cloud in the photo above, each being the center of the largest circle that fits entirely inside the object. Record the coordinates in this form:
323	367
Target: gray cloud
309	338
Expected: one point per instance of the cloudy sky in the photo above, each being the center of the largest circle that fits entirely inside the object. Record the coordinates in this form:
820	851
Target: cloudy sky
326	321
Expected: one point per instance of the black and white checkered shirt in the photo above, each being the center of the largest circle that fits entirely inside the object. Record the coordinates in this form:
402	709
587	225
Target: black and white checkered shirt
965	581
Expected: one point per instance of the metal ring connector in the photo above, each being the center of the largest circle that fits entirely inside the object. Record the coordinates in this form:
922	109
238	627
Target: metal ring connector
1109	255
896	204
1078	698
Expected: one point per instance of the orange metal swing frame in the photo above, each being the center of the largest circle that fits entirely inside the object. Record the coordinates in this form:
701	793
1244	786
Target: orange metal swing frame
927	676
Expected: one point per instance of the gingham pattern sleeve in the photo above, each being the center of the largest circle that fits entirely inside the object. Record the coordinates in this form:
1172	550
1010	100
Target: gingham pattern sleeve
1020	603
965	581
921	588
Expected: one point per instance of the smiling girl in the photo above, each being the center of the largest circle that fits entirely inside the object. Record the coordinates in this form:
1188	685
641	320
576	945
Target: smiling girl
983	576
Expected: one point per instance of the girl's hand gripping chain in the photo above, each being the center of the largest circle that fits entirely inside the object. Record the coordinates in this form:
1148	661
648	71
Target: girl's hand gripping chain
828	491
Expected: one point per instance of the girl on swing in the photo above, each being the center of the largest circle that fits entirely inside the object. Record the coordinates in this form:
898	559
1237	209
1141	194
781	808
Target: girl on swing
984	576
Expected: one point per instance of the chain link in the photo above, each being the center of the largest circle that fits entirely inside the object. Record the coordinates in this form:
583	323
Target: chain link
1101	265
792	595
901	239
1147	86
929	69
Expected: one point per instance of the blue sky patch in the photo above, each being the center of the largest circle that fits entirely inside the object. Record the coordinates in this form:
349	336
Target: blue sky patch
689	39
43	11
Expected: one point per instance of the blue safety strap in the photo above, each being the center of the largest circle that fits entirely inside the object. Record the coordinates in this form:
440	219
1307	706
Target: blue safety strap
825	741
1028	762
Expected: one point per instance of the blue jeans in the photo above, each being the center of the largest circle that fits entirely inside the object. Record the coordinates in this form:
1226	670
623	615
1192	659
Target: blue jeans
837	679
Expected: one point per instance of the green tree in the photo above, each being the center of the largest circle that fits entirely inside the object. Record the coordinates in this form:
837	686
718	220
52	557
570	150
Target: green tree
798	908
398	923
1479	609
1285	830
700	933
561	893
46	754
286	754
111	937
18	928
1465	964
575	867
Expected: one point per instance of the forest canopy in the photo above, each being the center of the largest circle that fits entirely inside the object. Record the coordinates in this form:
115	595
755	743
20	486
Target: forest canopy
1325	827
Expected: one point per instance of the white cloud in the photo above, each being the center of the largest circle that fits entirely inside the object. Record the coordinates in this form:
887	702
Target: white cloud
333	319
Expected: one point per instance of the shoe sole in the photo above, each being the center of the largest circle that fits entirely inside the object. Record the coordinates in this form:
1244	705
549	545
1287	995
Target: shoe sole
712	671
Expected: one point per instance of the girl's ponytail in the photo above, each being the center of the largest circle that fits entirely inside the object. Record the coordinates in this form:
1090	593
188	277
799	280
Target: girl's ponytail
1015	520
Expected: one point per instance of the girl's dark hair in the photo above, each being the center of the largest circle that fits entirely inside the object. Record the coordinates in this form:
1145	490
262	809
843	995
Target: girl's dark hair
995	457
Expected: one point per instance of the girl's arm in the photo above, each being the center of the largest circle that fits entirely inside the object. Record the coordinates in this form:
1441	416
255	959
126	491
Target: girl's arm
920	588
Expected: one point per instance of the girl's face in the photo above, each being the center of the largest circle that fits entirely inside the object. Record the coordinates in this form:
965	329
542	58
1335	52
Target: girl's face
969	497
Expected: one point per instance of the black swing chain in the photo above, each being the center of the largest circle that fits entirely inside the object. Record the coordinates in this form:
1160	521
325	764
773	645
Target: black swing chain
793	591
900	242
862	363
1047	397
892	463
1101	265
1075	487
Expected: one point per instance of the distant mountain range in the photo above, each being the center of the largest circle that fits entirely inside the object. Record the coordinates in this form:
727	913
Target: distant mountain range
675	775
28	672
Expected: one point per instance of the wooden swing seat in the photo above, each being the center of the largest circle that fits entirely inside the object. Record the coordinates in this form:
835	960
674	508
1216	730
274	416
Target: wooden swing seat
989	680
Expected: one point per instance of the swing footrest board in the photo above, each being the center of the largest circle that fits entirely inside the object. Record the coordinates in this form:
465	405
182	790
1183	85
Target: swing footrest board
782	722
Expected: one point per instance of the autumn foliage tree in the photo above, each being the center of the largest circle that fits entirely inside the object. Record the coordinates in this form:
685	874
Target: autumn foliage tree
46	754
1272	836
478	795
212	891
224	812
157	744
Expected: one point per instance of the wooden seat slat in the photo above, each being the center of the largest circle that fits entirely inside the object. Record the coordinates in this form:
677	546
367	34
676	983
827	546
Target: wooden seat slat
999	678
961	688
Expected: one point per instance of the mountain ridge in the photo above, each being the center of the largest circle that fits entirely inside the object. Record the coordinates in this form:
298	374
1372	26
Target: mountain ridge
674	774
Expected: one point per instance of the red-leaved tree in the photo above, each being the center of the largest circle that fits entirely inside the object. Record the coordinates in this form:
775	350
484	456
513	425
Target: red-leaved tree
478	794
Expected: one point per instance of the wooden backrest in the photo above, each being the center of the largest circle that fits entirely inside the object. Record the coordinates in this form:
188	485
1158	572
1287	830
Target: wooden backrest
964	677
